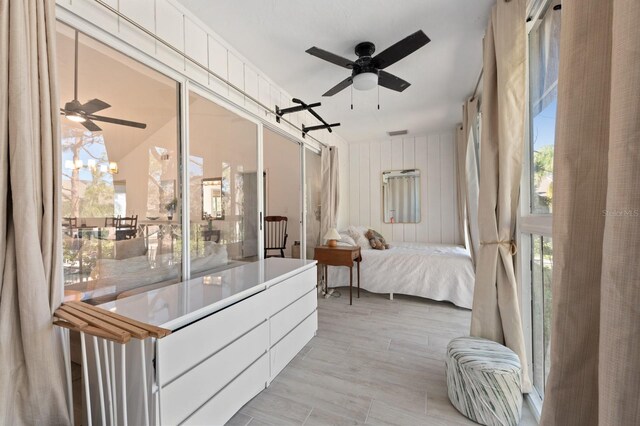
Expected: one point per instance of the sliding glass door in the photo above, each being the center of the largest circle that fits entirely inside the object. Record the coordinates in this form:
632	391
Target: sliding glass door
135	143
120	151
282	195
223	186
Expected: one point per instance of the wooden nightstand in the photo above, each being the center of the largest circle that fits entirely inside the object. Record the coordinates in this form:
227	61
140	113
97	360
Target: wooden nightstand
339	256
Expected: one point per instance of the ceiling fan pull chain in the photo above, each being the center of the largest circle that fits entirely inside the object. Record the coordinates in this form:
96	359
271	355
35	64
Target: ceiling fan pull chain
351	97
378	97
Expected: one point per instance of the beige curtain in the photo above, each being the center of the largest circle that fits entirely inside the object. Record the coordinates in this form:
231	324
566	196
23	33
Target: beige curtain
595	338
496	307
330	198
467	178
32	381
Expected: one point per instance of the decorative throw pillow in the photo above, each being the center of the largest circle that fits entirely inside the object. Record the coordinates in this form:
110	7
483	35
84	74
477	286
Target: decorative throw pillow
357	233
376	240
130	248
346	240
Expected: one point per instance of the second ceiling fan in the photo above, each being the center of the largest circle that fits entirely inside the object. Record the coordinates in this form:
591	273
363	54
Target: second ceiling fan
85	113
367	70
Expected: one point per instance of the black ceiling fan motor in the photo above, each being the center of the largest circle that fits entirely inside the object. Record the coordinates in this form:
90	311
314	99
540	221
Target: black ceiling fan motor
366	48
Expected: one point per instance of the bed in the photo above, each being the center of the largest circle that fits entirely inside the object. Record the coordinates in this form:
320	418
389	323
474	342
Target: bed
433	271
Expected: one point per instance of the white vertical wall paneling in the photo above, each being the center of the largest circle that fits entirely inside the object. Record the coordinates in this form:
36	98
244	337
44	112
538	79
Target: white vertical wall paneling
434	156
385	164
397	159
142	12
365	186
264	88
251	86
354	185
375	187
93	12
195	45
421	163
433	189
170	28
236	77
218	64
408	162
447	188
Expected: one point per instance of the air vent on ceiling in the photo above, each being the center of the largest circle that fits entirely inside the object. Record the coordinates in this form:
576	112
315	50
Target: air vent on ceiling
397	133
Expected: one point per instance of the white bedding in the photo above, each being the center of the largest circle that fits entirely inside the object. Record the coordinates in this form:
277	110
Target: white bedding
433	271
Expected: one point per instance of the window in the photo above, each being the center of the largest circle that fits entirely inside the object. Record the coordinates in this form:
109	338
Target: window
120	180
541	272
537	202
544	47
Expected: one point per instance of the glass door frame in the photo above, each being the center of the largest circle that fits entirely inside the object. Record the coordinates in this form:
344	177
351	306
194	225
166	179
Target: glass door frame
186	84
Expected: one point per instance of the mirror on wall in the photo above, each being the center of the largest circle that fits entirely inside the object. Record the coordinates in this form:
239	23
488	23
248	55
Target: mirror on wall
212	208
401	196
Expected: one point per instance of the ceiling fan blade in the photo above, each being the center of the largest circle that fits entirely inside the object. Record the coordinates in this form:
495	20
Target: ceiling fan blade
331	57
404	47
118	121
339	87
91	126
392	82
94	105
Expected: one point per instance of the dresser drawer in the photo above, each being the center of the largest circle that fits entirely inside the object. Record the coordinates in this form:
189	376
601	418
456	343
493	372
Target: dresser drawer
183	396
287	319
284	293
182	349
229	400
283	352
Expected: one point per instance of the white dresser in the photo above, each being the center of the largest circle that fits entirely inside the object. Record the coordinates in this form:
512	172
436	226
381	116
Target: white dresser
232	333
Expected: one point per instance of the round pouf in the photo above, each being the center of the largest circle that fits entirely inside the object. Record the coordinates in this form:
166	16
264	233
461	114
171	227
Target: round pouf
483	381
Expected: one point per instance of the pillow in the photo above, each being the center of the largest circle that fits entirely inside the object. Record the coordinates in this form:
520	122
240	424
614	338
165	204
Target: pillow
357	233
346	240
376	240
130	248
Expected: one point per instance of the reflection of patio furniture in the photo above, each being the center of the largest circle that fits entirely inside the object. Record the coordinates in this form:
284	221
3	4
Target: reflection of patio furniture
71	224
275	234
126	227
211	235
110	222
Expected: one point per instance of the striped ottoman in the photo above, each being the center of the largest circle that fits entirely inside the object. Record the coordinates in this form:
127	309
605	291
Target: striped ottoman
483	381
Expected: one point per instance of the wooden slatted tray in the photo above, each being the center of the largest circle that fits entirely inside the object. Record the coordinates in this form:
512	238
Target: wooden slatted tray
89	319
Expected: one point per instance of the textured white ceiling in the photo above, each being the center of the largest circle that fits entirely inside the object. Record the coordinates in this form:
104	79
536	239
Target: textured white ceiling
274	34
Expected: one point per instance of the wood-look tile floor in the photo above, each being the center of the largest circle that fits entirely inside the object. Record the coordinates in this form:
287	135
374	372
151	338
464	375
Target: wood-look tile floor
378	362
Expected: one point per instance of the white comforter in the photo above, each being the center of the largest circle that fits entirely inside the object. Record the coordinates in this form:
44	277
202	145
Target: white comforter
434	271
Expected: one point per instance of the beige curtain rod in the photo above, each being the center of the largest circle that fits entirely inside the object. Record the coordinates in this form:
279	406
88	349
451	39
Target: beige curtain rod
199	65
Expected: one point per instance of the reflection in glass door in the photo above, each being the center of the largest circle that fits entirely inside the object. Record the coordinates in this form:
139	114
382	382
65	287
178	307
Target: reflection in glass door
312	181
120	156
223	184
282	196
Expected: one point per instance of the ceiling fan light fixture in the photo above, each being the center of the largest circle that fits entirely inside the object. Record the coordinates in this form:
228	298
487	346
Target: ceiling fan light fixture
75	117
365	81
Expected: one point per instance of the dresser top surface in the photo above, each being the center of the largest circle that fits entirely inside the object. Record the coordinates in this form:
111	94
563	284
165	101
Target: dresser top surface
179	304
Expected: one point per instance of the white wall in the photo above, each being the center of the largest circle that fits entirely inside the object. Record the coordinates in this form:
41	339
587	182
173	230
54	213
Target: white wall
173	23
434	156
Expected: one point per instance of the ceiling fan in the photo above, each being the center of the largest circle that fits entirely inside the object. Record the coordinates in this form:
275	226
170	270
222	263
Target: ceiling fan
84	113
366	71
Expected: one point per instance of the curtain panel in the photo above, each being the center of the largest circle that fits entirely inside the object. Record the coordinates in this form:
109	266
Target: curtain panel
32	379
467	173
595	337
496	303
330	196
